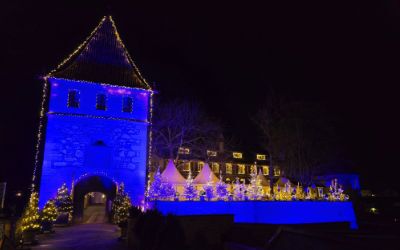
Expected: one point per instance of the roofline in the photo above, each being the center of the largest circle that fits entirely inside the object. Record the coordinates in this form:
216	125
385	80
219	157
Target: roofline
86	41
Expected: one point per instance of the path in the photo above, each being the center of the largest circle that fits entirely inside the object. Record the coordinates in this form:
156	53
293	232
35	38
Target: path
95	214
84	236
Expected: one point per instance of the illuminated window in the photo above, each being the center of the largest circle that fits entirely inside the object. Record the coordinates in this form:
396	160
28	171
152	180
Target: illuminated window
261	157
200	166
227	180
228	168
237	155
277	171
127	104
253	169
265	170
101	102
241	169
183	151
73	99
215	167
186	166
211	153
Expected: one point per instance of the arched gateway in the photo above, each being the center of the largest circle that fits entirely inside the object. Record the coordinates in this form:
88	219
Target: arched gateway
92	184
96	118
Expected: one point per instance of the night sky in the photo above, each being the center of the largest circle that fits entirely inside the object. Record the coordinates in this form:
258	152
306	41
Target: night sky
344	55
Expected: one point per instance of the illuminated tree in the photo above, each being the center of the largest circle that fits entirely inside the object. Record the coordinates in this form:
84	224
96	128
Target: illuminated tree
160	189
190	191
221	189
63	202
299	192
254	190
209	189
48	216
30	218
120	207
239	190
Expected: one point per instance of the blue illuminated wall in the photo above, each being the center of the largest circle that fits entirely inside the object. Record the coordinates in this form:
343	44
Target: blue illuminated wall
274	212
85	141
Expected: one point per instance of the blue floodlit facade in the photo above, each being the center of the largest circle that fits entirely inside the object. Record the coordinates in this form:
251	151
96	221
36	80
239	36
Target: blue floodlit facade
97	120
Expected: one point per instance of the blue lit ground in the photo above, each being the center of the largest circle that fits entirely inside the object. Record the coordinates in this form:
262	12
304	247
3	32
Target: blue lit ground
93	234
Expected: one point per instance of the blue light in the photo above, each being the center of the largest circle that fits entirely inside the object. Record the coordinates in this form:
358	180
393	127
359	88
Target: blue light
274	212
86	141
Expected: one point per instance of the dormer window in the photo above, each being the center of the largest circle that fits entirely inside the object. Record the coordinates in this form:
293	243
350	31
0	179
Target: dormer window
101	102
127	105
73	98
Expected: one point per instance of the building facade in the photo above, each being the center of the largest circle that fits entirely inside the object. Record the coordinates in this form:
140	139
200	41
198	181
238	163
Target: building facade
97	118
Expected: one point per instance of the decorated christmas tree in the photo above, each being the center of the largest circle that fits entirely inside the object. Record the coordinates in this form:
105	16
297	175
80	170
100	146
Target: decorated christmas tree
239	190
190	191
160	189
336	192
120	207
221	189
63	202
155	186
299	195
30	217
48	216
209	189
254	190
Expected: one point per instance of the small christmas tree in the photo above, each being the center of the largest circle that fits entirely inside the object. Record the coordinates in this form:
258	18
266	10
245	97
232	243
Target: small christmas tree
120	207
209	189
155	186
254	190
30	218
239	190
64	203
299	192
48	216
160	189
221	189
190	191
336	192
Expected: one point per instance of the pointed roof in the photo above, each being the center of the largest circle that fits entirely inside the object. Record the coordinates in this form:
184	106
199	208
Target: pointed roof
102	58
263	181
282	182
204	176
172	175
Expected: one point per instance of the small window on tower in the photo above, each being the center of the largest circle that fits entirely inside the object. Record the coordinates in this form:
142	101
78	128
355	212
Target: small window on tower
73	99
127	104
101	100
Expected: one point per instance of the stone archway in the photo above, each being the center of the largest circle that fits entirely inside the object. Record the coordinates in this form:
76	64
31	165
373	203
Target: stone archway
93	183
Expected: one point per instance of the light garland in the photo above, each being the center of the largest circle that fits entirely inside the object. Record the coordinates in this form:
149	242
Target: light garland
39	134
98	117
85	43
30	218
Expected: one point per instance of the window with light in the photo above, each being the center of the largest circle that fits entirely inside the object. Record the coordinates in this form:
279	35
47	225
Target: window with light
215	167
265	170
241	169
228	168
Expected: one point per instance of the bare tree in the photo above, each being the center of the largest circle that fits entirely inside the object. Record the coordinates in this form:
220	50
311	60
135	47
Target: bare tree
182	124
299	135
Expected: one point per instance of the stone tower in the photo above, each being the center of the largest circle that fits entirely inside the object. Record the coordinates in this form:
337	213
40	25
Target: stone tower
97	116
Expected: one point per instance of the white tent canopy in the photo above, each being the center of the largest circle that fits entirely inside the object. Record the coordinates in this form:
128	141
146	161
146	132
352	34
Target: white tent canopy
204	176
172	175
261	178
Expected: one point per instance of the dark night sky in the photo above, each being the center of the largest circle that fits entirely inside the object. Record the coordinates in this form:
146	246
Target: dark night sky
344	55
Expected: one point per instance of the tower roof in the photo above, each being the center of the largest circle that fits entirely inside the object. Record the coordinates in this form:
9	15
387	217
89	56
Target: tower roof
102	58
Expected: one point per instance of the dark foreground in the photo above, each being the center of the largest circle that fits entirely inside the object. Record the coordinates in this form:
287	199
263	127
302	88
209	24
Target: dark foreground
84	236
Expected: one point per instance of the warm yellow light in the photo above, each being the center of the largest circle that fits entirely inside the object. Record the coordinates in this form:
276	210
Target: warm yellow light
237	155
261	157
211	153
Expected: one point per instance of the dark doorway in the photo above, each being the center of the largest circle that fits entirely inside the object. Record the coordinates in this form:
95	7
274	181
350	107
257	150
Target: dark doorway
91	195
